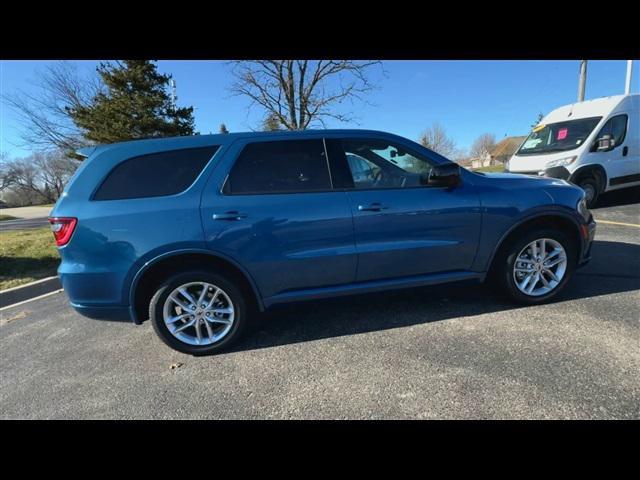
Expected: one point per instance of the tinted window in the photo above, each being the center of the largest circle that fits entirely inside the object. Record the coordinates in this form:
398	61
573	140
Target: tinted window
155	175
280	167
381	164
616	127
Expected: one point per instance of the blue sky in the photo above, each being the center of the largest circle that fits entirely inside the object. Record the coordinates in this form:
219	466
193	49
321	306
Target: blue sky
467	97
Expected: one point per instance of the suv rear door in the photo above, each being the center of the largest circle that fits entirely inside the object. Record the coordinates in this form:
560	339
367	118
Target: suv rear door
271	207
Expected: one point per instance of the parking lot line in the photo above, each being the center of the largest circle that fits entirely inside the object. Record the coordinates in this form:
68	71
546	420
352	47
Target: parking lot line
608	222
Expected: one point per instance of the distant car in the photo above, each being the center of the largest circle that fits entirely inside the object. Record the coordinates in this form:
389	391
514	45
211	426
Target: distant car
196	233
594	144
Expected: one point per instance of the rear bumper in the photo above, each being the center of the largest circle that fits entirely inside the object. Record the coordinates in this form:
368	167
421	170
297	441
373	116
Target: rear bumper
116	313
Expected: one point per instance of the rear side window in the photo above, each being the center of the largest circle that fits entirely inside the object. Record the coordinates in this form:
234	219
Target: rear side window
155	175
280	167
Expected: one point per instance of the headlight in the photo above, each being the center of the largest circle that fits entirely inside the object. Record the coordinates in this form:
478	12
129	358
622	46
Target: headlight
583	210
561	162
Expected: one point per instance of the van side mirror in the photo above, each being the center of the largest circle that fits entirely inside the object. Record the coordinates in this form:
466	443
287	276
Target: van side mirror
445	175
605	143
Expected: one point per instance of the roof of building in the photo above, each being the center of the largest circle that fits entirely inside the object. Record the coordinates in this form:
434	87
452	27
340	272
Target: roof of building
507	146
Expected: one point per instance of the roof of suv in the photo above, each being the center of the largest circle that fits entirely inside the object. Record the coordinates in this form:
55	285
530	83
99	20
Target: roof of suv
201	140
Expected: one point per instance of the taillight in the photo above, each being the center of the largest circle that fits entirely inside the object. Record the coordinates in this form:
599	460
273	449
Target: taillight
62	228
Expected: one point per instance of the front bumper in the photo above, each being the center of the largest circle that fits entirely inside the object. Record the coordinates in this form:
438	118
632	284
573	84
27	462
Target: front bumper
588	232
554	172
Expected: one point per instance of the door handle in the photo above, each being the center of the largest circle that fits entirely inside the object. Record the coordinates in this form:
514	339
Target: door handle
625	150
232	215
374	207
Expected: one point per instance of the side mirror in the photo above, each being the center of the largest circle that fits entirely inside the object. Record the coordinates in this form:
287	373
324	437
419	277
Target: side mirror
605	143
446	175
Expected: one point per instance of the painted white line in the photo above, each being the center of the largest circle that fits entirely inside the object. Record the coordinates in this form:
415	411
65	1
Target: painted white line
24	285
30	300
608	222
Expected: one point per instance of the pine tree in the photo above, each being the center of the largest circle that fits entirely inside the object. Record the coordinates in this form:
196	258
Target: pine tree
271	123
134	104
223	129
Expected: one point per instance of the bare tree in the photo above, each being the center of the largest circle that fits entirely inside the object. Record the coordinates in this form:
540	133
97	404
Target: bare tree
44	114
436	139
483	146
40	176
300	93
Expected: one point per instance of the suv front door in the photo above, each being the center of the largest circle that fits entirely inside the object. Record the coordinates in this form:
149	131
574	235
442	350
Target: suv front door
403	227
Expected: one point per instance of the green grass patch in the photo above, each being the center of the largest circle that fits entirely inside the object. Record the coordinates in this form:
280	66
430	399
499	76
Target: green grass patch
7	217
27	255
492	168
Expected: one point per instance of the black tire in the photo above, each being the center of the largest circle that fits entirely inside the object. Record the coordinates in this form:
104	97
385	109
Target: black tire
503	269
591	186
164	290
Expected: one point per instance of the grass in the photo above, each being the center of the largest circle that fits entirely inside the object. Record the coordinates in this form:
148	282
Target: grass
27	255
492	168
6	217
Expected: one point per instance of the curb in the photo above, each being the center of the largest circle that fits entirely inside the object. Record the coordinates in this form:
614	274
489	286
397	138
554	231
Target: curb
21	293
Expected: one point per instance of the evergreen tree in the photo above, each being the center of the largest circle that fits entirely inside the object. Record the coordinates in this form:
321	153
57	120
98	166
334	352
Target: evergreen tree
538	120
223	129
134	104
271	123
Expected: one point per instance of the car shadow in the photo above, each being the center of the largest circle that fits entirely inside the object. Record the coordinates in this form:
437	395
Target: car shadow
615	268
626	196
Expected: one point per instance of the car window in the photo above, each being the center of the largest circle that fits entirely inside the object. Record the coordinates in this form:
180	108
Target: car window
383	164
280	167
558	137
616	127
155	175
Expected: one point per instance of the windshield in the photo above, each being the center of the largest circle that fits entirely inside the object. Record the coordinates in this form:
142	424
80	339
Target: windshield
558	137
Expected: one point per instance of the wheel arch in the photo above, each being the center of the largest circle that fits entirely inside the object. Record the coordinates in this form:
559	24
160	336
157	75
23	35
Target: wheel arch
596	170
154	271
563	222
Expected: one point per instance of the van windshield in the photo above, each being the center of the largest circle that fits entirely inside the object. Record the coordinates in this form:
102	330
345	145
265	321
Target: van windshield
558	137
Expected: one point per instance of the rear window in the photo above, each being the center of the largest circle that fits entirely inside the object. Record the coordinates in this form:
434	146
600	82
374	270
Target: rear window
155	175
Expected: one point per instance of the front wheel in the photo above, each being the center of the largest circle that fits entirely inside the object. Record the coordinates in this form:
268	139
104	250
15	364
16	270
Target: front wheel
591	190
537	266
198	313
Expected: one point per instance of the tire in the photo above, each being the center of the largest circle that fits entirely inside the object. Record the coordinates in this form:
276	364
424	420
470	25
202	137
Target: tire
506	276
592	190
230	300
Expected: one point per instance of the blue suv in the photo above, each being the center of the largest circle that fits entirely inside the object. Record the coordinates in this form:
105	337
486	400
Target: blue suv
199	233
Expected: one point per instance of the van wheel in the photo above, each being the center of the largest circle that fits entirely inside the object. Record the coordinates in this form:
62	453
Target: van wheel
537	266
591	190
198	313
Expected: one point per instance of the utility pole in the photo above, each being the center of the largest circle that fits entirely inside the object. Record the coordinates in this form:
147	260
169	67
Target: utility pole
627	85
583	80
173	94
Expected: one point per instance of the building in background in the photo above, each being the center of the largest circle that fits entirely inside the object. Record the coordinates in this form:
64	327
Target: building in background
500	154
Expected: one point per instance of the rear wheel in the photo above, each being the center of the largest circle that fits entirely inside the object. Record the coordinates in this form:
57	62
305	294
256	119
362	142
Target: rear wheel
198	313
536	267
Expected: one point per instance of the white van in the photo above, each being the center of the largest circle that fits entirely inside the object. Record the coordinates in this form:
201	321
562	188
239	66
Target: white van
594	144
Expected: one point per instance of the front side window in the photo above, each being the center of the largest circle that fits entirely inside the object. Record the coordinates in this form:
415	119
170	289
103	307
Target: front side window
616	127
382	164
155	175
280	167
558	137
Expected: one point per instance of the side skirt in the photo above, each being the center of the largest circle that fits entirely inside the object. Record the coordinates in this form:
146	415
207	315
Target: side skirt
373	286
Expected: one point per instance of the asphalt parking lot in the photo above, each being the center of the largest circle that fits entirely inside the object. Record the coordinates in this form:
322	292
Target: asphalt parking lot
447	352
